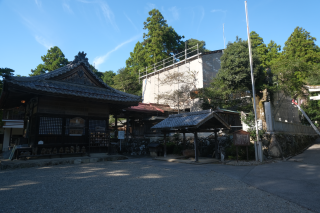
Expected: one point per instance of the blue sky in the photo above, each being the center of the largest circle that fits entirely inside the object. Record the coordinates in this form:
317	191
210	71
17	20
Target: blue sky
108	30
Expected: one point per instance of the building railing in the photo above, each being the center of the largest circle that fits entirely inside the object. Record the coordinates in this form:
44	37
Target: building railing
170	61
13	114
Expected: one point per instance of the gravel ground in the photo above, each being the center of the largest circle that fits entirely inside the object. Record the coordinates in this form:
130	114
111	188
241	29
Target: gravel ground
128	187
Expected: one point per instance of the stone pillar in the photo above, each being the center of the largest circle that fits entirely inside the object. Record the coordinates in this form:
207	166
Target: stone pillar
269	117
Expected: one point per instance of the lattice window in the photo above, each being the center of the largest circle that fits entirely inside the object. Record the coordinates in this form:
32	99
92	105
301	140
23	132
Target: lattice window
50	126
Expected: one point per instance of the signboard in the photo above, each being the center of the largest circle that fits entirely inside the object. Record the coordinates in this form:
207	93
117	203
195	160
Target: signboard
121	135
241	138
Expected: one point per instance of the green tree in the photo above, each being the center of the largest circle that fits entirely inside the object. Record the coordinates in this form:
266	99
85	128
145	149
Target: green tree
298	64
126	82
202	45
233	81
292	74
97	72
53	60
273	54
234	74
108	77
5	72
312	109
301	45
268	54
160	42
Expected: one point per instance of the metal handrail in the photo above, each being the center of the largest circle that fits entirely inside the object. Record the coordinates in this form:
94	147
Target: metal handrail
176	58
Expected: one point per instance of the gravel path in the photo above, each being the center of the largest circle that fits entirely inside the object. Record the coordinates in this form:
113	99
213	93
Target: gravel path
128	187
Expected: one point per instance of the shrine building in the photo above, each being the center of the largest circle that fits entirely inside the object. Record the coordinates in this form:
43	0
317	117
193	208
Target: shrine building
64	108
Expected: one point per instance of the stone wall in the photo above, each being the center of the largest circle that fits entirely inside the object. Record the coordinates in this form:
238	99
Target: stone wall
285	145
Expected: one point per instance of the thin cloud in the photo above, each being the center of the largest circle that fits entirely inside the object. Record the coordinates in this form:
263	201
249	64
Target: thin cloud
101	59
219	10
201	18
150	6
43	42
67	8
38	3
135	27
175	12
106	11
108	14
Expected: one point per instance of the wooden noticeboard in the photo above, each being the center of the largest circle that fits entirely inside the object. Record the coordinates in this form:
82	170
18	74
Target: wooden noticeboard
241	138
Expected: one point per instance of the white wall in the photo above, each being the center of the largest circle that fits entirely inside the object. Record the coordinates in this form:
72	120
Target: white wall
152	86
6	137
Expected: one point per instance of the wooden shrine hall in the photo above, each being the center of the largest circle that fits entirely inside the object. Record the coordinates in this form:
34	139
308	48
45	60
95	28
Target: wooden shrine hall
66	110
193	122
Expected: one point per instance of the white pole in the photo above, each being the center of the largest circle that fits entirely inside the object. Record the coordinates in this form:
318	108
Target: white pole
224	39
258	148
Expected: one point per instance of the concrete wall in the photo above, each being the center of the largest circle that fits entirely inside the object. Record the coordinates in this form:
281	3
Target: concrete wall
274	125
152	85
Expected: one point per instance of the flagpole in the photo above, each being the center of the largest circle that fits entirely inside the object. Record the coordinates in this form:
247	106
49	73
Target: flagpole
257	144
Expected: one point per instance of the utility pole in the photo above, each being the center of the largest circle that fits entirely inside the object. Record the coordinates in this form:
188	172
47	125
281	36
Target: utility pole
258	144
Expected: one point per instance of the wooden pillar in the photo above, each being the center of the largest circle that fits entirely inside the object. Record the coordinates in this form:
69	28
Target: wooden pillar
216	144
165	145
196	146
132	127
116	126
87	136
127	130
184	140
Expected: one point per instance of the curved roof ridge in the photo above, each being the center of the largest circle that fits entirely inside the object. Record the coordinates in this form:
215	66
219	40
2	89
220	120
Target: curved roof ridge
79	59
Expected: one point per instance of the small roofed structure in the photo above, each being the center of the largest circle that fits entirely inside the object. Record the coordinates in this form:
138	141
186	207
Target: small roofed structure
193	122
142	117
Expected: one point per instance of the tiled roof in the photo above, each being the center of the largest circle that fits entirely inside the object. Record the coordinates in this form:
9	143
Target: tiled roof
191	120
45	83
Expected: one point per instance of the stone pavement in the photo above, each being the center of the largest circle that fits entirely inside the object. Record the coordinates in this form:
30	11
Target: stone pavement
297	180
38	162
179	159
128	186
310	156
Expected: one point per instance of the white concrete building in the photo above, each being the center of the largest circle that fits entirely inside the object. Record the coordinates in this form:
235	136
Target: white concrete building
179	74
